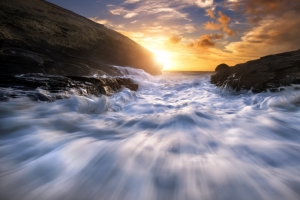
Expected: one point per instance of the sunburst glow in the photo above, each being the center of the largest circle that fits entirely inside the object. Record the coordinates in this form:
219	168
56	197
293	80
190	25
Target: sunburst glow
163	57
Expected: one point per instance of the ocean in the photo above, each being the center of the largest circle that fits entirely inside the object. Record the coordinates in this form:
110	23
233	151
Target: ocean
178	137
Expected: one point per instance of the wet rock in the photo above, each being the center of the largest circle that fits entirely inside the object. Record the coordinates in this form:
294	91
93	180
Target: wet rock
49	87
267	73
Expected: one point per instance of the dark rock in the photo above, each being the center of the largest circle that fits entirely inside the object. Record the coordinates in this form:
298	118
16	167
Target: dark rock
267	73
221	67
39	37
49	88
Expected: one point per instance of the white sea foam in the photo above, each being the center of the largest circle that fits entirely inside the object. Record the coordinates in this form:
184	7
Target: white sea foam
177	137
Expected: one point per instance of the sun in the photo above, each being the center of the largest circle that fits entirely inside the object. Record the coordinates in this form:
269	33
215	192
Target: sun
163	58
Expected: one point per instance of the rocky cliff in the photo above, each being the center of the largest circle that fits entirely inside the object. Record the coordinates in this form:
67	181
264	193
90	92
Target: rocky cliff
39	37
267	73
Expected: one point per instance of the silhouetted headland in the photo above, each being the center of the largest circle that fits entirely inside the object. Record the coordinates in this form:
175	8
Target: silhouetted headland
267	73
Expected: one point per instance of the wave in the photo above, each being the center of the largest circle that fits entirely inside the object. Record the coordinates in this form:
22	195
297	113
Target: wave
177	138
142	78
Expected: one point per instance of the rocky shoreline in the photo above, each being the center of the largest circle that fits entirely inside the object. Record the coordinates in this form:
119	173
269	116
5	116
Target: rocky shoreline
39	87
267	73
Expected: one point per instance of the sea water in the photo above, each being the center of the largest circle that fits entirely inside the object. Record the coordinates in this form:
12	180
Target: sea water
177	137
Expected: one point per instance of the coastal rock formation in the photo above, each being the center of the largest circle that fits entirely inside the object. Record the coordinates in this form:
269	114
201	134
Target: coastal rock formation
39	37
221	67
267	73
49	87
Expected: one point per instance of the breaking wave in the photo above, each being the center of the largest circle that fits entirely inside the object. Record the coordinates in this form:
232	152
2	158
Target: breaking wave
177	137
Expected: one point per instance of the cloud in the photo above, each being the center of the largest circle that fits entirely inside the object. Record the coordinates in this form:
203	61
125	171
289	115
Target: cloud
224	20
215	36
190	45
204	42
204	3
257	10
210	13
221	24
212	26
207	40
269	36
188	28
131	1
157	10
275	27
130	15
175	39
116	11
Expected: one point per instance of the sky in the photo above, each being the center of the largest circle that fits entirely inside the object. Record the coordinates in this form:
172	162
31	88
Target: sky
197	35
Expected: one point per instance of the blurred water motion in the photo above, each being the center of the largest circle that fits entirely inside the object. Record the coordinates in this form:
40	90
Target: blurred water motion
178	137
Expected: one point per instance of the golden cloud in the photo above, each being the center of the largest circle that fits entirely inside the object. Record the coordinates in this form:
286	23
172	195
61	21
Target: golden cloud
224	20
210	13
175	39
222	24
204	3
268	37
207	40
215	36
212	26
190	45
258	10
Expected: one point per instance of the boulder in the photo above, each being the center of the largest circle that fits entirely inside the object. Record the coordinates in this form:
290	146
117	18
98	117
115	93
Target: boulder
267	73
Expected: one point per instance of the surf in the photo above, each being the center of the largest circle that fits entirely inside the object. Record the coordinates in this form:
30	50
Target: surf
177	137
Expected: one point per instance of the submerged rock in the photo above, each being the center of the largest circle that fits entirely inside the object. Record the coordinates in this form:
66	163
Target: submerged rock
267	73
39	37
49	88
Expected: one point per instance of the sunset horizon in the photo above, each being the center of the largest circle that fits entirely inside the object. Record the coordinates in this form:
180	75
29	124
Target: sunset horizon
198	35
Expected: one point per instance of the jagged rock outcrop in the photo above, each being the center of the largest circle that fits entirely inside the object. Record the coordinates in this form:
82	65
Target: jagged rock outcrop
267	73
39	37
49	87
